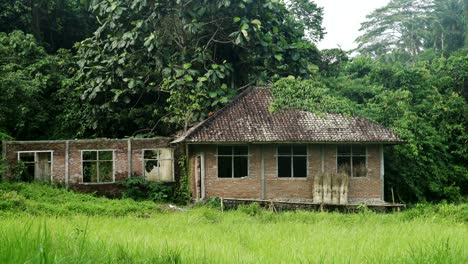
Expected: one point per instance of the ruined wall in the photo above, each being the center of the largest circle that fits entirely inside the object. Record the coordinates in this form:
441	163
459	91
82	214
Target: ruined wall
120	147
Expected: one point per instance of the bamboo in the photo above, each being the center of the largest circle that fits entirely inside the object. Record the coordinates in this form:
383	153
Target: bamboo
335	188
327	188
344	186
318	188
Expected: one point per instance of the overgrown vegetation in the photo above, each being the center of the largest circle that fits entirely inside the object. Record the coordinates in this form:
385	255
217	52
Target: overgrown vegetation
422	102
182	192
43	199
139	189
40	223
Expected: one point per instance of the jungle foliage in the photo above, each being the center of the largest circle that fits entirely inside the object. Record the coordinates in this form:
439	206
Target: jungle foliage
114	68
407	28
177	60
422	103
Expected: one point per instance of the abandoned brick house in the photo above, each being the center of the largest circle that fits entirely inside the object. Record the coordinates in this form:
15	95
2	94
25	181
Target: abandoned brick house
241	151
246	151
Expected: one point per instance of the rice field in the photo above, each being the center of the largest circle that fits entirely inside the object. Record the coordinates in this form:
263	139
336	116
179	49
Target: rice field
206	235
425	234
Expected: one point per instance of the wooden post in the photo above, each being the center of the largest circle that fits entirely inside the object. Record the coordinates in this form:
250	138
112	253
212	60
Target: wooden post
129	158
222	204
67	163
393	197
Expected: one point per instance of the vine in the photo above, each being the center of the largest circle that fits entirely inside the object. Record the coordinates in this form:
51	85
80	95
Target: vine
182	192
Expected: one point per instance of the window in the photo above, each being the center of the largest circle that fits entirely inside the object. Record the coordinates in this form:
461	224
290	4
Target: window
98	166
233	161
158	164
292	161
37	165
352	160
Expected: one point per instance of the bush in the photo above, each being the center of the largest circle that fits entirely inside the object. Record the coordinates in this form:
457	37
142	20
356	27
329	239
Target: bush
252	209
45	199
3	169
11	200
138	188
445	211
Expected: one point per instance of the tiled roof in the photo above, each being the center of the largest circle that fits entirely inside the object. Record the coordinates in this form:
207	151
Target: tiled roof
248	119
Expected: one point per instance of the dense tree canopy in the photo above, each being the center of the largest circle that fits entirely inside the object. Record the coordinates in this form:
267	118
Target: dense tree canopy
176	60
412	26
422	103
54	23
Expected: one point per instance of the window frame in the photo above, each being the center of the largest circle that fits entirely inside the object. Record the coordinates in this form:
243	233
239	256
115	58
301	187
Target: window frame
232	160
35	159
277	155
97	162
366	156
159	166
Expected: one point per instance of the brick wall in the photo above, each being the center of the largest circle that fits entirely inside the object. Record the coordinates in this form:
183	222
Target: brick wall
275	187
119	146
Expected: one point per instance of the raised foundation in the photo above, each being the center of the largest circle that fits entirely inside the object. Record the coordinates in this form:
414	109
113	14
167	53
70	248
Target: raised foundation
231	203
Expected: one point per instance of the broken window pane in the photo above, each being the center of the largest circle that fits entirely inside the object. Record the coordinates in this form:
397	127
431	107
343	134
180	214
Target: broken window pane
90	171
98	166
150	154
105	155
28	172
27	157
37	165
89	155
151	170
105	171
158	164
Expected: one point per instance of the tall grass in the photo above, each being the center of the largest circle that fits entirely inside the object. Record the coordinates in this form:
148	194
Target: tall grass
43	199
428	234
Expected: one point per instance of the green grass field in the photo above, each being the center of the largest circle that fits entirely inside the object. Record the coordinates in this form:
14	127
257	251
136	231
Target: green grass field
40	224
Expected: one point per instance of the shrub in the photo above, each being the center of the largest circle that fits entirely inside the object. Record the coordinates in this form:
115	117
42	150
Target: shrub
138	188
11	200
3	169
213	202
252	209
